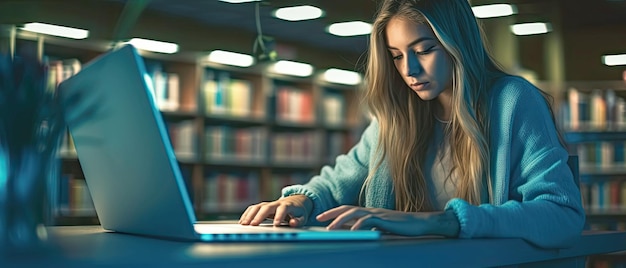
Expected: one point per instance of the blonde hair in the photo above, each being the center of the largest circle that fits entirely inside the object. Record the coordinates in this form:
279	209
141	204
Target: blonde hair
403	117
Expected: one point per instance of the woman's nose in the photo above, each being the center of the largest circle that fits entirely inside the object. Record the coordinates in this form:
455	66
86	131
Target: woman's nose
413	66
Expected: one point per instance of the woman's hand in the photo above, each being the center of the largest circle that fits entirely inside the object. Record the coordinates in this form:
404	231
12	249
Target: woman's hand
397	222
293	209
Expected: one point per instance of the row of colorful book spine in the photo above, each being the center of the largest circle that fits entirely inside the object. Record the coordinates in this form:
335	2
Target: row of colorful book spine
598	109
225	95
295	147
59	71
604	196
73	198
226	143
234	191
294	105
230	192
229	96
229	143
334	109
164	86
280	180
338	143
602	154
611	225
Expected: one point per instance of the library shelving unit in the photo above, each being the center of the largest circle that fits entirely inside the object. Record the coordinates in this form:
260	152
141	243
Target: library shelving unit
263	131
239	134
592	115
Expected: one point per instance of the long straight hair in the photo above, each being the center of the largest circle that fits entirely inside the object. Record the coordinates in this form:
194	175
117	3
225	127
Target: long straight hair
406	121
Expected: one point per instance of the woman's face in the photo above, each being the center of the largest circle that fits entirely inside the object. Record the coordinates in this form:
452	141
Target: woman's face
419	58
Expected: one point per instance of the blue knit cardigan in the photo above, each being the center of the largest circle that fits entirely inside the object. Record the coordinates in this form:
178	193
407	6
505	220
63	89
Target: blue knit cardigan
534	197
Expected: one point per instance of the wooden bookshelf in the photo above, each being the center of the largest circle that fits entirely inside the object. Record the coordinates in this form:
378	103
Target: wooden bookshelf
593	116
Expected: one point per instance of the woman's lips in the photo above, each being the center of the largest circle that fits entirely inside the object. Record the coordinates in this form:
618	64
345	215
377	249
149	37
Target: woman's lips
419	86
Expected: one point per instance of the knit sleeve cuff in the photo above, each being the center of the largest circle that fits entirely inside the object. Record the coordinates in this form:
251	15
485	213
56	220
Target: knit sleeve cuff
461	208
315	200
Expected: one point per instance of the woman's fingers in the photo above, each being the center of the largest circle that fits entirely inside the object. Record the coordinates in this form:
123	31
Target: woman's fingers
243	217
264	212
250	213
367	222
292	209
346	215
280	215
358	218
296	221
332	213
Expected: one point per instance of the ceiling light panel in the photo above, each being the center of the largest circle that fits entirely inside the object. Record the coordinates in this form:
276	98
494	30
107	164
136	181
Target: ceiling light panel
531	28
351	28
298	13
293	68
56	30
495	10
231	58
154	46
614	60
239	1
339	76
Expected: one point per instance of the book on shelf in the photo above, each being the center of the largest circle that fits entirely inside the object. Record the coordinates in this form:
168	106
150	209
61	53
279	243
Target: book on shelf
294	105
610	225
225	143
604	196
334	109
601	155
337	143
230	191
74	199
595	110
59	70
295	147
165	87
240	100
183	139
281	180
225	95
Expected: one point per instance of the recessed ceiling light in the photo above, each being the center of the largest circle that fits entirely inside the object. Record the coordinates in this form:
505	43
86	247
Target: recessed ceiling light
154	46
56	30
298	13
231	58
531	28
339	76
614	60
495	10
292	68
350	28
239	1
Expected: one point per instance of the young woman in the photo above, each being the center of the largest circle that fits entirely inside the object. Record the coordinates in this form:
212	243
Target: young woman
457	148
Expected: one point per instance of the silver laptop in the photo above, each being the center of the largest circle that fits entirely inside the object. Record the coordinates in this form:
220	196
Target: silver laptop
129	163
